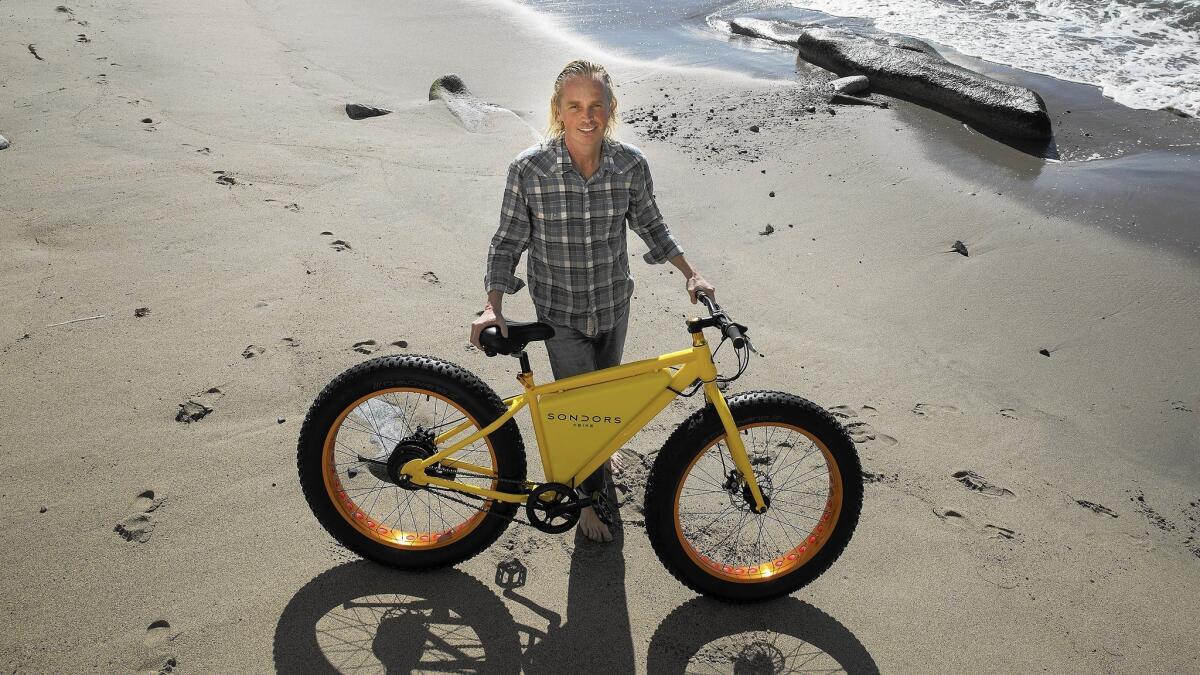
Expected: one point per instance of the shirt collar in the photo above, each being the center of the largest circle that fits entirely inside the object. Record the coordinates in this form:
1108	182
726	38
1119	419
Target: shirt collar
607	162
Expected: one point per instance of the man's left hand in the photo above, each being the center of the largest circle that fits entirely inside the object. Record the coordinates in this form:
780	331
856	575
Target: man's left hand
697	283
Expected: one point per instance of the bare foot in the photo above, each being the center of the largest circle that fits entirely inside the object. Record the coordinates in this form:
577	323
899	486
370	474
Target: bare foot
592	527
616	464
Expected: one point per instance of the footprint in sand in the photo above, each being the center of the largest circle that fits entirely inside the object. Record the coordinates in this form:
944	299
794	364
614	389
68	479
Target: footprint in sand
366	347
998	532
951	516
978	483
959	520
430	277
290	342
1008	413
340	245
933	409
198	406
869	477
861	432
139	525
252	351
157	642
402	344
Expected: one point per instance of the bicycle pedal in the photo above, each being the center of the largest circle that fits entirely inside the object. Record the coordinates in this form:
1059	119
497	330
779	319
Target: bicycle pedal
603	508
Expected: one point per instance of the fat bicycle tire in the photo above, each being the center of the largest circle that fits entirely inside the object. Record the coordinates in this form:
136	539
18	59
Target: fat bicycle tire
375	392
790	441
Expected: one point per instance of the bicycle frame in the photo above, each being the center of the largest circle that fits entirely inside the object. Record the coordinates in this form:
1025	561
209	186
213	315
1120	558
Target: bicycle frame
650	384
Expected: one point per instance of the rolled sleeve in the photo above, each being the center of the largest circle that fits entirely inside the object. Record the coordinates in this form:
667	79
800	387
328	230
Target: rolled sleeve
646	221
511	238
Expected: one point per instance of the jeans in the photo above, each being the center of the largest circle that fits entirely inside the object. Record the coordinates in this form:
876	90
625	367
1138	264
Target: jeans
573	353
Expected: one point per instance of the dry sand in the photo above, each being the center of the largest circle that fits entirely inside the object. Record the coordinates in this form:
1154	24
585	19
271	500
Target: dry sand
1078	552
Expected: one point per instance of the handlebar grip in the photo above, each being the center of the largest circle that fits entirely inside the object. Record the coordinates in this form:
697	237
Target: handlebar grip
706	301
735	335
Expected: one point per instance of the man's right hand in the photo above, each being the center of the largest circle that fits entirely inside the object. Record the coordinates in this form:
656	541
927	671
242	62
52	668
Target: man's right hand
489	317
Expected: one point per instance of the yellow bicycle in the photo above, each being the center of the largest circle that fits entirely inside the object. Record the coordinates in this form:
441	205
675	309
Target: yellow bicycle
415	462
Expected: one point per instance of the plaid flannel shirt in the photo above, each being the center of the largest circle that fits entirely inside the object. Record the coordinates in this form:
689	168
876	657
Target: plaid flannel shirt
578	263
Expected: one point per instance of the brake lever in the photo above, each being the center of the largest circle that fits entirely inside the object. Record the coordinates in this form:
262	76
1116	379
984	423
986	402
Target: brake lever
746	337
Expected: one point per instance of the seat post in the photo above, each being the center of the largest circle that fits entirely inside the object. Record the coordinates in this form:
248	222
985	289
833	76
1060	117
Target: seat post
524	361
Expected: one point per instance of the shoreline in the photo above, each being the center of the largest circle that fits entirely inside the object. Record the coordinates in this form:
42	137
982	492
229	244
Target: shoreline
190	175
1101	147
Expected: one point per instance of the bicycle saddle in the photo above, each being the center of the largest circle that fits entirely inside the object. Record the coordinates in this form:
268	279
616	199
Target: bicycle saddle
519	334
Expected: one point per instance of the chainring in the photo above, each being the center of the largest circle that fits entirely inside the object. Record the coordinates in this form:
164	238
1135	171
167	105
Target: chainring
553	507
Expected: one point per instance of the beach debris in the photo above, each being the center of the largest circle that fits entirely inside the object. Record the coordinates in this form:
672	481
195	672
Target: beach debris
766	231
147	120
754	128
198	406
224	178
831	111
905	69
430	277
1096	508
850	85
366	347
1044	352
141	311
290	341
83	38
252	351
358	111
772	194
782	32
340	245
843	99
959	247
476	116
86	318
191	411
33	50
280	420
42	509
4	143
979	484
914	70
403	344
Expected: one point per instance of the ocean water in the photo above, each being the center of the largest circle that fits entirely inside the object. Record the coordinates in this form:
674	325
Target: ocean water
1105	70
1140	53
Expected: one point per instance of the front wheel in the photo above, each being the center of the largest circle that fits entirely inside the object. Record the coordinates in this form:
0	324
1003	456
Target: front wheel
700	516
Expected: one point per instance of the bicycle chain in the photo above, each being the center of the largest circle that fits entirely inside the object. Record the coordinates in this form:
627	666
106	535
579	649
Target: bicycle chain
444	493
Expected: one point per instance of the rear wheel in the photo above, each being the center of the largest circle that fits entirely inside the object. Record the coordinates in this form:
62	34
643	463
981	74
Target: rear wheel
378	415
701	520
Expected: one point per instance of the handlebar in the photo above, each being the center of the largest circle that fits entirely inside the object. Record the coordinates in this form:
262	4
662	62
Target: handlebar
720	319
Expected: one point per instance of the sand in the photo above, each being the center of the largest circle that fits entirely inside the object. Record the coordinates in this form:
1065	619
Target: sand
1023	511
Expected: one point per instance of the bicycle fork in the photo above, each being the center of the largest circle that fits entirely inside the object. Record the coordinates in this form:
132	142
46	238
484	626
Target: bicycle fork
733	440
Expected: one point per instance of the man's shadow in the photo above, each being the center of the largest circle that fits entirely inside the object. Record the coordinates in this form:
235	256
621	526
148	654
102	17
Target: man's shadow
597	631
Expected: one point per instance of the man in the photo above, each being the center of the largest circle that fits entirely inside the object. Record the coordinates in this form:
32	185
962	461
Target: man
568	201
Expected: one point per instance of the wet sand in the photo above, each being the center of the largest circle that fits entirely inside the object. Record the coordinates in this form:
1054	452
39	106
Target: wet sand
189	176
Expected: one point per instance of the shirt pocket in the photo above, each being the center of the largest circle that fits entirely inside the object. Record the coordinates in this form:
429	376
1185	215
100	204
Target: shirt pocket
609	209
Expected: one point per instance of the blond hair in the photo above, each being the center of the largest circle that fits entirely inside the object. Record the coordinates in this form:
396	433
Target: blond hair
576	68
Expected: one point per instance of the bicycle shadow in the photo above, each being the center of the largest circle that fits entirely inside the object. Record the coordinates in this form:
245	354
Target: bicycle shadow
786	635
363	618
